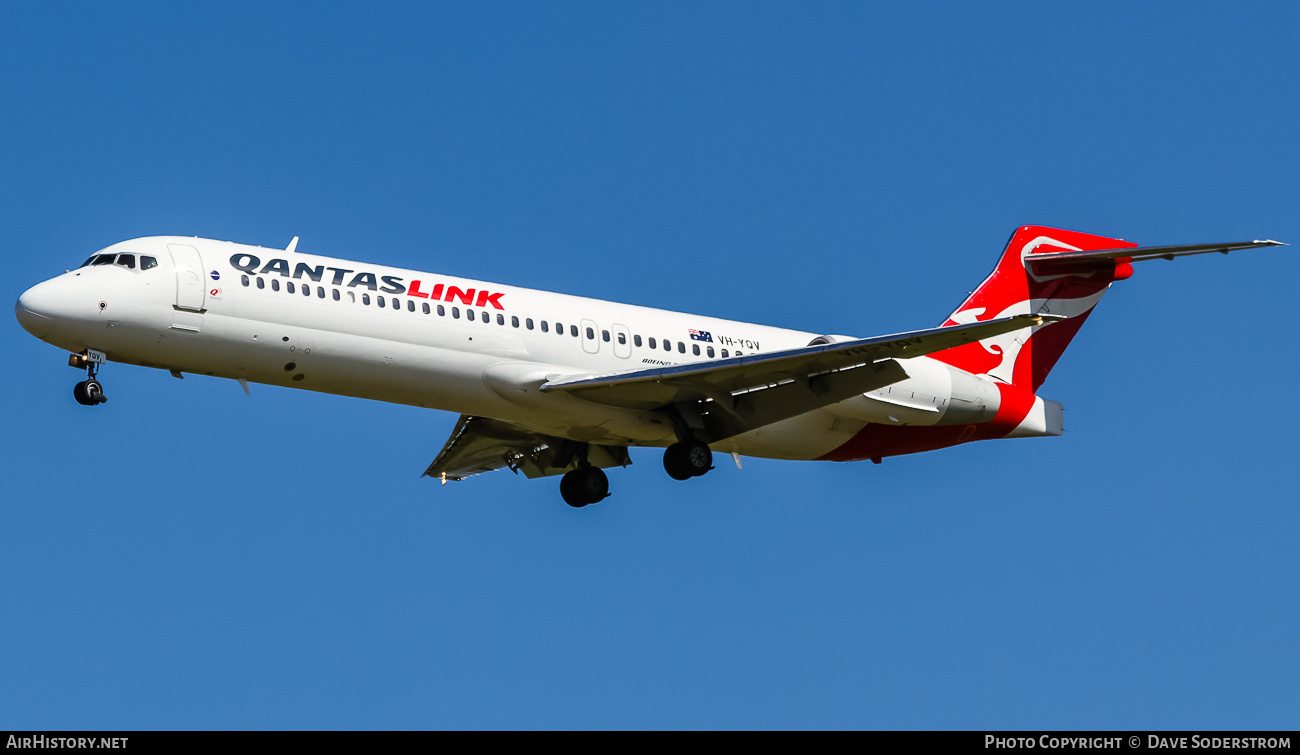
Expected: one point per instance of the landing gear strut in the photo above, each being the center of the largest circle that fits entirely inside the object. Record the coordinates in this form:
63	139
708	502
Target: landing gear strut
584	485
687	459
88	392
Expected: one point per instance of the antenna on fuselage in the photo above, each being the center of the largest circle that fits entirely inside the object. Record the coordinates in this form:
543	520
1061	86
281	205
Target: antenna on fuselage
292	246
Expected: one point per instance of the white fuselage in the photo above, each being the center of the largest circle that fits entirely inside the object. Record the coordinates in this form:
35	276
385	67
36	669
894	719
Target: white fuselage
303	321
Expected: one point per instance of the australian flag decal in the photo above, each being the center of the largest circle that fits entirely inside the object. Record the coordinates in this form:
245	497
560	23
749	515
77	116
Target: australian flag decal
701	335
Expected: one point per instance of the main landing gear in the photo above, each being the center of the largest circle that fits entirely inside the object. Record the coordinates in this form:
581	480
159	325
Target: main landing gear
686	459
588	484
584	485
88	392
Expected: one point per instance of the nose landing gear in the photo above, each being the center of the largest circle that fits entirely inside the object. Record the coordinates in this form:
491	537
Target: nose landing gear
88	392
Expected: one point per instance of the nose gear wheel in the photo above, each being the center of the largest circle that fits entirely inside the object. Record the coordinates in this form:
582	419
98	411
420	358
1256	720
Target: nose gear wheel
88	392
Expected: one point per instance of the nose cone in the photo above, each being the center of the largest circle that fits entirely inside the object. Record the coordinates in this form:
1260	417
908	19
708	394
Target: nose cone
33	310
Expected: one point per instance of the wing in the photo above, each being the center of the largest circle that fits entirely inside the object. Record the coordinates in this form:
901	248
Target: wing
722	398
479	444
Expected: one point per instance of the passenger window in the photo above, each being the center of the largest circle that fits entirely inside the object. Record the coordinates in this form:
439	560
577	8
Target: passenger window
668	345
528	323
455	313
514	321
710	350
501	320
573	330
365	299
604	336
410	305
288	286
559	328
681	346
396	304
724	353
306	290
653	343
260	282
242	279
636	341
320	292
487	319
695	349
442	311
425	307
352	296
336	294
469	314
381	301
622	338
591	334
275	284
545	327
147	263
126	260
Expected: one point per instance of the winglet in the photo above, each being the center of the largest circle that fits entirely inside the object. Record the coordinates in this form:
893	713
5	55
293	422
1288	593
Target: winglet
292	246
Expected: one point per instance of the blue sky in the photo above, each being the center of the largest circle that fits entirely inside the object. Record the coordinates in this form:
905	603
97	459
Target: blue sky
188	557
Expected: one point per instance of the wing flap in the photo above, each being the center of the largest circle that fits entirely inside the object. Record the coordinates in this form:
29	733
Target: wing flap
735	414
480	444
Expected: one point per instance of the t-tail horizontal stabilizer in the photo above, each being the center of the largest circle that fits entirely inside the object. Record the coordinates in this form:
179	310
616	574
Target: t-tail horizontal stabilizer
1142	253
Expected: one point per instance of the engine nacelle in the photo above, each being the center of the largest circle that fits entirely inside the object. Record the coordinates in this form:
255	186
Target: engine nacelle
933	394
971	399
823	340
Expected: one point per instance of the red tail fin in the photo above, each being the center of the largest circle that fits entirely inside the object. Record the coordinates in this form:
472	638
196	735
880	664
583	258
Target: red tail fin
1018	287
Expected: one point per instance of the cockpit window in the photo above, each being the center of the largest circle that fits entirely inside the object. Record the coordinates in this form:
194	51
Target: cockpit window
125	260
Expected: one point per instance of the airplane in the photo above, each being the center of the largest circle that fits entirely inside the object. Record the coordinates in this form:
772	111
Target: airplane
552	384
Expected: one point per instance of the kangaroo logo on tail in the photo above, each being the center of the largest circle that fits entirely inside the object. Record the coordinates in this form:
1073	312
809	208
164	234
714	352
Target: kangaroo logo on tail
1015	287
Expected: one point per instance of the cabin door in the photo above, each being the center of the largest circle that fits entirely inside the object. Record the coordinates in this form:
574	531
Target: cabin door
191	287
590	336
